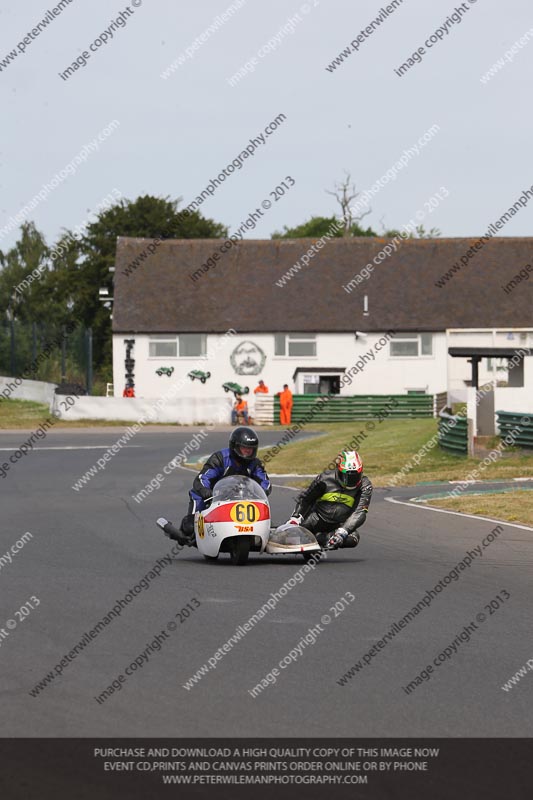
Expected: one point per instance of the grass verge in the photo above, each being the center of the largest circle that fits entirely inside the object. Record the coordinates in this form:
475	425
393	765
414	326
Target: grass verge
388	448
15	414
513	505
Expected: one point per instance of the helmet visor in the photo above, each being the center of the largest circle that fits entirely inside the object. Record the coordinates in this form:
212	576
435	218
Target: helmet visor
350	478
245	451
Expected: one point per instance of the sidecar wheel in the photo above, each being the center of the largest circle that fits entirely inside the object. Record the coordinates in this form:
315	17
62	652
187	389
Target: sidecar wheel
314	555
240	549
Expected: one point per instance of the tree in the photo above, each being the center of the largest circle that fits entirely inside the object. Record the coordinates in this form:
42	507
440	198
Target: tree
345	195
71	273
146	217
315	227
419	233
28	317
29	254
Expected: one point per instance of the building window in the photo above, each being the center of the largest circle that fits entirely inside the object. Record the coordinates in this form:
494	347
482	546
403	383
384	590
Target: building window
311	384
497	364
192	344
409	345
163	346
279	344
186	345
426	344
295	345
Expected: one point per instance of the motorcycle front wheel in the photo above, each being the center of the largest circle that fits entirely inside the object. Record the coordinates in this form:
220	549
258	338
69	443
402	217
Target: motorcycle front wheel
240	549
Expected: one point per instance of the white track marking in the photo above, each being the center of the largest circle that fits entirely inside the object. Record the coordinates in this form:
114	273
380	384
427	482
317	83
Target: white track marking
458	513
292	475
72	447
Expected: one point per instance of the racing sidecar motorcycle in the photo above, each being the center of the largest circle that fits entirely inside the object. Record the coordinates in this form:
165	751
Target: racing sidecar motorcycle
238	521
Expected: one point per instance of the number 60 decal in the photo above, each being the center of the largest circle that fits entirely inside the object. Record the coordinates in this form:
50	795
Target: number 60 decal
245	512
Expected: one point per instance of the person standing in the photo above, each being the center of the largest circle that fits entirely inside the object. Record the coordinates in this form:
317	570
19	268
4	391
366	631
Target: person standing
285	405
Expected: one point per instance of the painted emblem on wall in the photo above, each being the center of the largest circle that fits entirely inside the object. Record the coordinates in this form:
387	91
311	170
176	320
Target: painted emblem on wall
165	371
247	359
129	365
199	375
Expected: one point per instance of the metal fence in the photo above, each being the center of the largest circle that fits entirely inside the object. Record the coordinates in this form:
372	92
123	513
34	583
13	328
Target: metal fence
45	352
441	401
454	433
511	422
345	409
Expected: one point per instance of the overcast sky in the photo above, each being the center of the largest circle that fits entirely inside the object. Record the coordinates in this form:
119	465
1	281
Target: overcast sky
177	134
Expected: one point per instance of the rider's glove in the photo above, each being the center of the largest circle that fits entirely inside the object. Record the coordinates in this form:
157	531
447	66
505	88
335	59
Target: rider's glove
205	493
296	520
337	538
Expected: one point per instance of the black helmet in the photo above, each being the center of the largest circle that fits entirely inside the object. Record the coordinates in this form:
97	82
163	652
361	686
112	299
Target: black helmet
243	444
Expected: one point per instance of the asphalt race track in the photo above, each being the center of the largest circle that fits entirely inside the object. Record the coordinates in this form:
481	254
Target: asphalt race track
90	547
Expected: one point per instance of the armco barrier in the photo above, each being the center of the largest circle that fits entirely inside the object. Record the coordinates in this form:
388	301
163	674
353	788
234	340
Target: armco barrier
180	410
454	433
440	402
510	420
345	409
20	389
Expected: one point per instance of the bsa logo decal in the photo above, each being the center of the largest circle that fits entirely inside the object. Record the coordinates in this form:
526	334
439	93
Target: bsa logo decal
244	528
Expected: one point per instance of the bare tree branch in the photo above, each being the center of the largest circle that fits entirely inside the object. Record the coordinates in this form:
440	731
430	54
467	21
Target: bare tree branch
345	194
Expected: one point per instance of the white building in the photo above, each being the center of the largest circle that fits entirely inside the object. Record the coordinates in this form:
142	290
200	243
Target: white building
185	306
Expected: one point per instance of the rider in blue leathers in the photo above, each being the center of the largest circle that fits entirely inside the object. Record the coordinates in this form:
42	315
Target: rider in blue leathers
240	458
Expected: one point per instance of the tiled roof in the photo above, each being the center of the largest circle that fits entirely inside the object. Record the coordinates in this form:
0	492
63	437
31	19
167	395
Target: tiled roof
240	291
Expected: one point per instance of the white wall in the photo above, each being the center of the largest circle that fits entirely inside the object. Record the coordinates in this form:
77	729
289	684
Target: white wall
471	407
513	399
39	391
384	375
460	370
506	398
182	410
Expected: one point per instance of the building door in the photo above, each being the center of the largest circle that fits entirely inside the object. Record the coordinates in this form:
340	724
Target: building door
485	415
329	384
